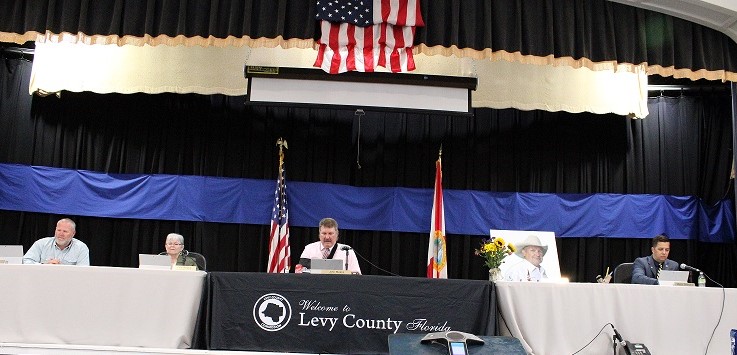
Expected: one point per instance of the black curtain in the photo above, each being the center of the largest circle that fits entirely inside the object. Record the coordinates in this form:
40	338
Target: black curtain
681	149
598	30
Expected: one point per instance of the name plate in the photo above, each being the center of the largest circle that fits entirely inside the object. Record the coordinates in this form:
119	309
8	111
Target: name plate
677	283
11	260
184	268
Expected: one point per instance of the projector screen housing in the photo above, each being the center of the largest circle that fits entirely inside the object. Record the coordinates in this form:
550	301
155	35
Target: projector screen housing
355	90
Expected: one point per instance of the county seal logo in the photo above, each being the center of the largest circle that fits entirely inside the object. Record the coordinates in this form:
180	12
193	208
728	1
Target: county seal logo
272	312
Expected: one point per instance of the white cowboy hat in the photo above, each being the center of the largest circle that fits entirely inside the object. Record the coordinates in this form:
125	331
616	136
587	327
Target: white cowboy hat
530	240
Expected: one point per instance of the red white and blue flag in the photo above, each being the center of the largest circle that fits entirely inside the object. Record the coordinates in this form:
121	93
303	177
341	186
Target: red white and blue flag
361	35
279	250
437	260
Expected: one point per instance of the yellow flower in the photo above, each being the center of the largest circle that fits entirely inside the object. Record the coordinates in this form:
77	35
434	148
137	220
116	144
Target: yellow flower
499	242
494	250
489	247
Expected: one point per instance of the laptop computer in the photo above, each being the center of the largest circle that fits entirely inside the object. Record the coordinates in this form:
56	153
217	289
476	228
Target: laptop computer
673	277
326	264
11	254
154	262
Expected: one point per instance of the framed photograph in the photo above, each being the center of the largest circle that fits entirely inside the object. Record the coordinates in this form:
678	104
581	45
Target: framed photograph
550	260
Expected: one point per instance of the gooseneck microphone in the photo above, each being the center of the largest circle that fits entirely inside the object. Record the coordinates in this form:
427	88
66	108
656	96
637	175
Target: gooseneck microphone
346	248
617	335
619	340
690	268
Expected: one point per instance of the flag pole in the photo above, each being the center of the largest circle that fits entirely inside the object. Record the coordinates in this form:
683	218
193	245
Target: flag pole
436	252
279	249
282	143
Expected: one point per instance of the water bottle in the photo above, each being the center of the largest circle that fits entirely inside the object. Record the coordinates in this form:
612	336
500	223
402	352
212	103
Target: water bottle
702	280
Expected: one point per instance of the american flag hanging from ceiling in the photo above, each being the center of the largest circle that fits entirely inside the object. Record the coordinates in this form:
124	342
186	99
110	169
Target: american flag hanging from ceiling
361	35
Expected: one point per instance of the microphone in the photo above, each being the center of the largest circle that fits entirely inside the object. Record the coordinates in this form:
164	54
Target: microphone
689	268
346	248
617	335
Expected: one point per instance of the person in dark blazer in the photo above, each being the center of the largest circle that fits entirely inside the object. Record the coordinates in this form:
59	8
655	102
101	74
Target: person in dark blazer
645	270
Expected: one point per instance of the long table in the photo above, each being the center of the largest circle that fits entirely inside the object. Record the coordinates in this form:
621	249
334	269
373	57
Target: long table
338	313
88	305
561	318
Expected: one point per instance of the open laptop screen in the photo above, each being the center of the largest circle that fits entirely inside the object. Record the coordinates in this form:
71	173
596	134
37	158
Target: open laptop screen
11	254
152	261
671	277
326	264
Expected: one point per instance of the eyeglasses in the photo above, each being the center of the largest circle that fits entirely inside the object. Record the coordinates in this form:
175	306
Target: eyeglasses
174	244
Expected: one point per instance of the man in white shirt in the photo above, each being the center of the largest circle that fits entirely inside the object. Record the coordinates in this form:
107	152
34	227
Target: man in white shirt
532	251
329	248
62	248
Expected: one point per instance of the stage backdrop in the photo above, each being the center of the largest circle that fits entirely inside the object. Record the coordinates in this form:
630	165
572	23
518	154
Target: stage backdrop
681	149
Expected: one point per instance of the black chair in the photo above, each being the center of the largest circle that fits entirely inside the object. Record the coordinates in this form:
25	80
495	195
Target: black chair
623	273
199	259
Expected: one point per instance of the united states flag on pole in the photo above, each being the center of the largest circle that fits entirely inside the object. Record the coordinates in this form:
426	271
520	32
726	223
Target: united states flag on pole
279	251
361	35
436	256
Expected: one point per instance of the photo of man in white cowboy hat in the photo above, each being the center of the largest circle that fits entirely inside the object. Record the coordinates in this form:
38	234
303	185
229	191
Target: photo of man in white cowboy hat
521	238
532	251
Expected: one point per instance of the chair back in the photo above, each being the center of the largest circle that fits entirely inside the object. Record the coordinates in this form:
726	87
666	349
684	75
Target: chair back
623	273
199	259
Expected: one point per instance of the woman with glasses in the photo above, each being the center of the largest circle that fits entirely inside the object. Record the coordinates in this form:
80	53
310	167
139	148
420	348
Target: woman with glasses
175	249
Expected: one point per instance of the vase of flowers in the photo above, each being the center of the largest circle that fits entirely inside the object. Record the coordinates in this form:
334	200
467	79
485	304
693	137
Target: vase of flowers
495	274
494	250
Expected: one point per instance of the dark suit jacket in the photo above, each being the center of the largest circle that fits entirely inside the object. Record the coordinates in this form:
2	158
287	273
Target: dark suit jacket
644	270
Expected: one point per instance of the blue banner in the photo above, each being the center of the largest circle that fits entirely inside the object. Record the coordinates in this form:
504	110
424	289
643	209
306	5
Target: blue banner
249	201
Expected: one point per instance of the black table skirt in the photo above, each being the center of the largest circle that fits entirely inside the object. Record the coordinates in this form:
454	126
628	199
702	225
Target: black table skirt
348	314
